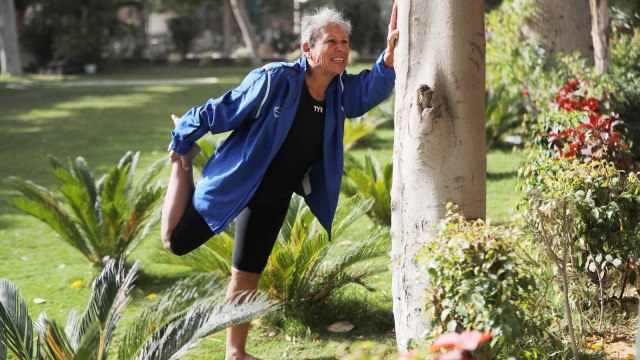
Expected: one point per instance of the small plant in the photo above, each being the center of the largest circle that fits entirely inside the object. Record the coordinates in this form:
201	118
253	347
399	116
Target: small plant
102	219
300	272
477	281
168	330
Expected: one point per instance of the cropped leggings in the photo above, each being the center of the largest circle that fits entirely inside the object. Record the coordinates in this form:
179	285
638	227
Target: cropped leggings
257	228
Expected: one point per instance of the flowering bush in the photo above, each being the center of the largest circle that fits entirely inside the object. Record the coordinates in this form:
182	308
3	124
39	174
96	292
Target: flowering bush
595	137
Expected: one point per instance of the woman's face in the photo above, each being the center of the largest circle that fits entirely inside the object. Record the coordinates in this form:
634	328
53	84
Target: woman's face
330	52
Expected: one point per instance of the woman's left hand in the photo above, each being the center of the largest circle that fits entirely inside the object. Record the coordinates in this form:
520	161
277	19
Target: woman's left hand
392	36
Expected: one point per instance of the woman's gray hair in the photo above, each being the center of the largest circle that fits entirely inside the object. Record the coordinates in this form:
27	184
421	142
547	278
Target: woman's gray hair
311	24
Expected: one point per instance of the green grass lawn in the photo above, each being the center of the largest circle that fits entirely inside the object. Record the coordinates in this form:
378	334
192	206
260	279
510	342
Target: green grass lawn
101	124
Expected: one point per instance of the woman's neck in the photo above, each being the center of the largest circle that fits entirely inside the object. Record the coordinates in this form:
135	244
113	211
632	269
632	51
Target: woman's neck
317	83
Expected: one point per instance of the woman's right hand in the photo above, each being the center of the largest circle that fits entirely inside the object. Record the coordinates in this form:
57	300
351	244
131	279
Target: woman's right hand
185	161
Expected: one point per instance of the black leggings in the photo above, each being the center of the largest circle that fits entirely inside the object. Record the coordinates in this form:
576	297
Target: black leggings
257	228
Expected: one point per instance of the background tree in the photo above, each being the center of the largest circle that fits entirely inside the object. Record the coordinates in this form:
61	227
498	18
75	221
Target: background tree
600	35
562	26
9	50
249	35
439	144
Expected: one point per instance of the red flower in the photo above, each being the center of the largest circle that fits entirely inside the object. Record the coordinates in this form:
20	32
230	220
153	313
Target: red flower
573	84
456	344
525	92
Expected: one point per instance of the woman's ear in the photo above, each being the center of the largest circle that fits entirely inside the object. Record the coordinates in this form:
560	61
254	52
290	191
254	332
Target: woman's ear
306	50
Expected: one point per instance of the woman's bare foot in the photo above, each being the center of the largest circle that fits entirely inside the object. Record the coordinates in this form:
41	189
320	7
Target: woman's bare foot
241	356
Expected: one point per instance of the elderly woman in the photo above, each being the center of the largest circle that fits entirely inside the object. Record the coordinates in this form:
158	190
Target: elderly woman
287	121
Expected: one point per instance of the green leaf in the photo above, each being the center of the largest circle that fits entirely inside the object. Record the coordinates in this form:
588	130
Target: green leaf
15	322
56	343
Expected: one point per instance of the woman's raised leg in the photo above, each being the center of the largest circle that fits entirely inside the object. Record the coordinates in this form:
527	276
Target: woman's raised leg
179	191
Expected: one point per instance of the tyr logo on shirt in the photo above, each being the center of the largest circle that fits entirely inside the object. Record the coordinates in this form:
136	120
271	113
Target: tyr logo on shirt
317	108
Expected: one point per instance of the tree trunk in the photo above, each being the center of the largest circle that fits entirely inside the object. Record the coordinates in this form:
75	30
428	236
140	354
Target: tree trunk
9	50
226	30
248	33
600	35
562	26
439	144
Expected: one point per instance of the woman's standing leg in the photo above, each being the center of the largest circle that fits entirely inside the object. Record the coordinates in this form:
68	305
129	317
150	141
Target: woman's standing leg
257	228
179	192
237	335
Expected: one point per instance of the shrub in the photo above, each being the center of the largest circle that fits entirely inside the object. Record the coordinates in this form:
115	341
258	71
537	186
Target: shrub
102	219
477	281
594	209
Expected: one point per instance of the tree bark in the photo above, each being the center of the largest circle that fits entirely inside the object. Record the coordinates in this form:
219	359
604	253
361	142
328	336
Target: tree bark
562	26
248	33
10	63
226	30
439	143
600	35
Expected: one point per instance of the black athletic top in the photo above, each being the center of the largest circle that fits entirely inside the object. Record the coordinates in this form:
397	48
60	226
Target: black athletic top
301	148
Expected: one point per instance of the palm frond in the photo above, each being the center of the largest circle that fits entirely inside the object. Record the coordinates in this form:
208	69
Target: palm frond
56	344
309	260
295	207
355	264
15	323
149	174
377	244
90	346
80	170
356	129
72	327
3	348
348	212
132	166
79	195
175	339
173	304
372	181
42	204
109	297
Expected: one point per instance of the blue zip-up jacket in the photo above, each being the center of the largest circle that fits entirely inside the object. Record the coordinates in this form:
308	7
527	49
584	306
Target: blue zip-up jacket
260	112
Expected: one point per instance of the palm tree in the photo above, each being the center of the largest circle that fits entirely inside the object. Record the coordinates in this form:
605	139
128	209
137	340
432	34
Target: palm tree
102	219
183	317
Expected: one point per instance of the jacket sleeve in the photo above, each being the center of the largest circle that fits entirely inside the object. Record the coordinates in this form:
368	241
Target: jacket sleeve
225	113
362	92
